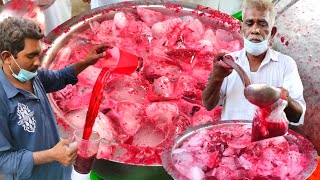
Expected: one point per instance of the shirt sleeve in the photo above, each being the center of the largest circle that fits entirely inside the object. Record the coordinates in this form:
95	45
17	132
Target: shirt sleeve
293	84
18	162
55	80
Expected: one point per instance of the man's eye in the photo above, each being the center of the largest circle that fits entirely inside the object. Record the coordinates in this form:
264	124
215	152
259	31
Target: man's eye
263	23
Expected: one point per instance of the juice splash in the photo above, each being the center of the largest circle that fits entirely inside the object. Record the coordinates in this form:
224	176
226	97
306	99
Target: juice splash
95	101
121	63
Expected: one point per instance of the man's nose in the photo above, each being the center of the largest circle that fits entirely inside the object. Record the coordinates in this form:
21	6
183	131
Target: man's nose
37	61
255	30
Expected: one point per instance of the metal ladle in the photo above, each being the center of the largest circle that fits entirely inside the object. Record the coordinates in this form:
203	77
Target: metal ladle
261	95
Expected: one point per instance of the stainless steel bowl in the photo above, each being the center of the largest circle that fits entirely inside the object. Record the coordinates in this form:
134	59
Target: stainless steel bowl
303	144
62	35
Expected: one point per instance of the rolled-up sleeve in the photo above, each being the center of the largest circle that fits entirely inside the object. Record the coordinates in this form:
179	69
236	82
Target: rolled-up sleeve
293	84
20	163
54	80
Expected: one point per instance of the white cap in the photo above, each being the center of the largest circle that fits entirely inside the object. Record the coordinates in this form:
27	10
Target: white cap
78	176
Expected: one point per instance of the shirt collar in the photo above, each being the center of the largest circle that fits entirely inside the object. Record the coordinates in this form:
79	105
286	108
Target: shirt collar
8	87
271	55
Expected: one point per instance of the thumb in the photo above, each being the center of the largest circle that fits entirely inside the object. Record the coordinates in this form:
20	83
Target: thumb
73	146
98	56
64	142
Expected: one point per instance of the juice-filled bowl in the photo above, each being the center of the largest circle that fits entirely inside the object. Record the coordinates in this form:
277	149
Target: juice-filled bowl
140	112
227	152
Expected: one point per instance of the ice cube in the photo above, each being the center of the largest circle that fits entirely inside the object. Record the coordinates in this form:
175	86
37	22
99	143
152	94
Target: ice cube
148	135
63	57
223	35
265	167
203	116
188	109
162	87
72	97
162	113
105	150
102	123
197	173
120	20
161	29
88	77
159	67
106	32
233	45
196	26
187	19
210	36
127	88
130	116
200	74
296	163
247	162
81	51
149	16
94	25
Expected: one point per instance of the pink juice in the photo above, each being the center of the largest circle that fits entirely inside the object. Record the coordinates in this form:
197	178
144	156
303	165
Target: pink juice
84	163
125	63
95	102
263	128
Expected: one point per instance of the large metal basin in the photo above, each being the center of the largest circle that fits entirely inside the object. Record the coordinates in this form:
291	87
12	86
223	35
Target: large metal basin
303	144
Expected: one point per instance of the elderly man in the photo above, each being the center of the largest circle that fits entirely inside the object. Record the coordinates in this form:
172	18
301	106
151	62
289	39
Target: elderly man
262	64
30	146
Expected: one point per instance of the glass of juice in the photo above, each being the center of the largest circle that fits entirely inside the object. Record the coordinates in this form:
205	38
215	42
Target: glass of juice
87	151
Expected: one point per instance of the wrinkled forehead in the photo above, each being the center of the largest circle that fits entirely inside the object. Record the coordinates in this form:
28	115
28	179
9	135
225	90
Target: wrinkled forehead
254	13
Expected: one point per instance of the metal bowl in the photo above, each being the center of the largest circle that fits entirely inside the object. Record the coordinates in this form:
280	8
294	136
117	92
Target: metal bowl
304	145
63	34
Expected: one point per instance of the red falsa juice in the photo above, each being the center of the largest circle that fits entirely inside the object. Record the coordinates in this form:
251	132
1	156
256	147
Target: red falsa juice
268	123
84	163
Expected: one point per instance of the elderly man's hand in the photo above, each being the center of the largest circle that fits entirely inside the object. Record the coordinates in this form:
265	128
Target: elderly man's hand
220	69
95	54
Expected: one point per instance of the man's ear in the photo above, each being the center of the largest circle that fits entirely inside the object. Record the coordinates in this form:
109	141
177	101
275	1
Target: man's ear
273	31
6	56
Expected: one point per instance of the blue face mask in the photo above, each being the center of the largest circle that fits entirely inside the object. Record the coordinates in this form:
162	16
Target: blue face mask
255	48
23	75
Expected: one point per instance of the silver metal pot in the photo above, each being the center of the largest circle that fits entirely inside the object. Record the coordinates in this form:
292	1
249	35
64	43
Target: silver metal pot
60	36
304	145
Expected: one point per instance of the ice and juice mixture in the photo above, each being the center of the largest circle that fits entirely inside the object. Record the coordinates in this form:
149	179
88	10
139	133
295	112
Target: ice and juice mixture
140	111
226	152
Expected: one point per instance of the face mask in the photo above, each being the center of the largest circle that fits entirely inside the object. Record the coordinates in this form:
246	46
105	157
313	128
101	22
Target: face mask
23	75
255	48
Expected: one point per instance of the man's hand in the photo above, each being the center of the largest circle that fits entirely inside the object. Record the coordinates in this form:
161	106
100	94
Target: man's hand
64	152
211	94
284	93
293	109
220	69
95	54
92	57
